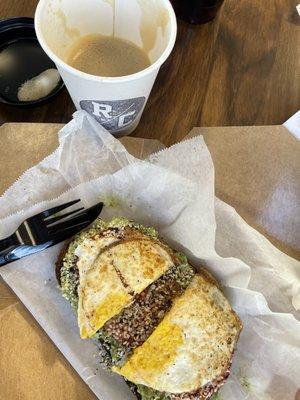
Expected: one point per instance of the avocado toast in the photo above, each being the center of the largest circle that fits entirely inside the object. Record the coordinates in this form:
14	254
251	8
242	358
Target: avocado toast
165	327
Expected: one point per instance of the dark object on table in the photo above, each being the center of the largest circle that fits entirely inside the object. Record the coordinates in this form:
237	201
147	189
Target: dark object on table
46	229
21	59
197	11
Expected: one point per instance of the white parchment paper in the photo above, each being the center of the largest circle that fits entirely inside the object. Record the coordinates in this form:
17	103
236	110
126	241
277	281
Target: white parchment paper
173	191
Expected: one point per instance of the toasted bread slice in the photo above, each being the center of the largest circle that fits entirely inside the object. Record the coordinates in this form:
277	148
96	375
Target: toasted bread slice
166	329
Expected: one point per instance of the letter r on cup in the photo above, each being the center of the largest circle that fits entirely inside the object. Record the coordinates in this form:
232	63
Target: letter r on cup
102	110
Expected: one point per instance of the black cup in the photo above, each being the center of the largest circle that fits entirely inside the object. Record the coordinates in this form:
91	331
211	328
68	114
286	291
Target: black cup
197	11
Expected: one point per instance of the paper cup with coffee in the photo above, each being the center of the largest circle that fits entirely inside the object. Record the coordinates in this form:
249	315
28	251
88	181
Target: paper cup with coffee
108	53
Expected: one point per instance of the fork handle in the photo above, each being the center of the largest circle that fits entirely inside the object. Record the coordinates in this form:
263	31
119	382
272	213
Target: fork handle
3	258
6	243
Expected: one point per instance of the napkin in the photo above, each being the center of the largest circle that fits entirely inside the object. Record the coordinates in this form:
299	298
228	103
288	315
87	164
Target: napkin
293	123
172	190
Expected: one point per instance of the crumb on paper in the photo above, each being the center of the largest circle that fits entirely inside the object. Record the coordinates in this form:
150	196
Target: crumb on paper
244	380
39	86
111	200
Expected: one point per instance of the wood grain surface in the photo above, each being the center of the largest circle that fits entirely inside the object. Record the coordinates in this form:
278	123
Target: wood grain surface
242	69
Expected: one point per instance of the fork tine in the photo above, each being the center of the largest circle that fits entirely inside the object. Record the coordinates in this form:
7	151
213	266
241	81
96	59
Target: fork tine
59	217
91	212
54	210
86	216
69	230
95	210
68	233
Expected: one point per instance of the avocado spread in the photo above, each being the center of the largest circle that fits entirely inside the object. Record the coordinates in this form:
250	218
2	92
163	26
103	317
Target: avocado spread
148	393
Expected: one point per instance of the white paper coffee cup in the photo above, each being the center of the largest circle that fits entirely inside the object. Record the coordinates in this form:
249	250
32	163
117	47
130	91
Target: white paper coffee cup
116	102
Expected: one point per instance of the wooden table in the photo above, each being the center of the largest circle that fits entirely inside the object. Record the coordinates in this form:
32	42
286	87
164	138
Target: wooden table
242	69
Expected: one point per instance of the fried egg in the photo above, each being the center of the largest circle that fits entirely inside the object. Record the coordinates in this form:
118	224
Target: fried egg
192	346
111	273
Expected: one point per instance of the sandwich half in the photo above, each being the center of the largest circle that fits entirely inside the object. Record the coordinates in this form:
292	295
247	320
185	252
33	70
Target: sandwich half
165	327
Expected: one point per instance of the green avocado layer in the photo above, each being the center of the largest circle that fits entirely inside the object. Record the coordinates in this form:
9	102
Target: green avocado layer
147	393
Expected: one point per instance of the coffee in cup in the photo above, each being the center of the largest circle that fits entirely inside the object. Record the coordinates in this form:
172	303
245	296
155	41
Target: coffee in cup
101	55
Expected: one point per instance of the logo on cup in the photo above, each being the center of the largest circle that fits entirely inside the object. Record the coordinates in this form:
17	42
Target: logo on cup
114	115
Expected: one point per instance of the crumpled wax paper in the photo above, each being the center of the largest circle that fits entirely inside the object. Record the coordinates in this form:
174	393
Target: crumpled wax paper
173	190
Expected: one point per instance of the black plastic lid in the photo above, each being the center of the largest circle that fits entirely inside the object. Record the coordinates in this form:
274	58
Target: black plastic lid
26	60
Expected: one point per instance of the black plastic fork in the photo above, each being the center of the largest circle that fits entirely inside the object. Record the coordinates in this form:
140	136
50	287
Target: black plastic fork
46	229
